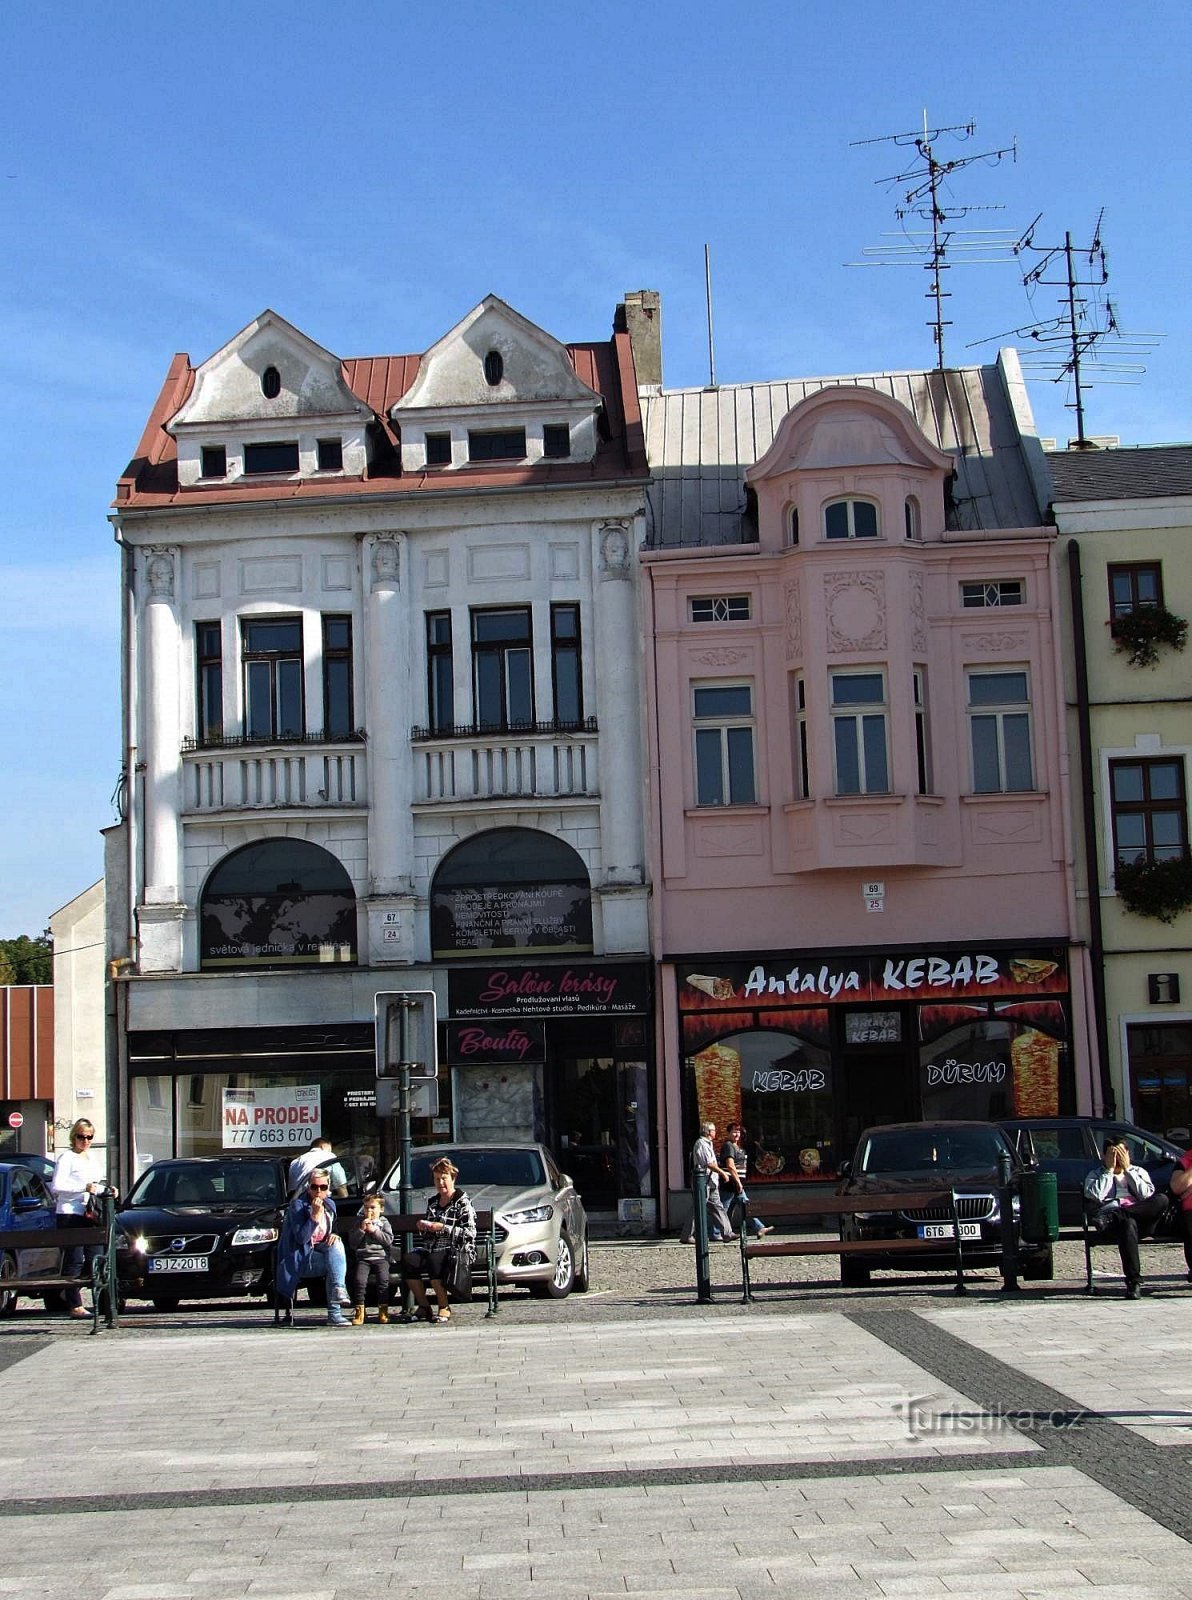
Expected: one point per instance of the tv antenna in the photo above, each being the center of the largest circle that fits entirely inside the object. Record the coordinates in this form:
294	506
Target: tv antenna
932	246
1067	345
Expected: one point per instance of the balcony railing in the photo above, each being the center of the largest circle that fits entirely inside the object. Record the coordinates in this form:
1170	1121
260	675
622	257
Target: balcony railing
242	775
542	762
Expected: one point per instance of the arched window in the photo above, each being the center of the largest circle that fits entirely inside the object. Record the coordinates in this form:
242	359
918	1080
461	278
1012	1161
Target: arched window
914	526
850	519
279	902
511	889
792	526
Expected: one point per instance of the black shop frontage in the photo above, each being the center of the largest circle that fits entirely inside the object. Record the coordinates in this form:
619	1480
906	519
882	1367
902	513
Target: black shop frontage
806	1049
561	1052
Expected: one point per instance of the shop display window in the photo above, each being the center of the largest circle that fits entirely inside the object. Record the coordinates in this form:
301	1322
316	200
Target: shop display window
778	1084
990	1067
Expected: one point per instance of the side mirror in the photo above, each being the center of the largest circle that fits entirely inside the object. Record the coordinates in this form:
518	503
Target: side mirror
27	1203
845	1168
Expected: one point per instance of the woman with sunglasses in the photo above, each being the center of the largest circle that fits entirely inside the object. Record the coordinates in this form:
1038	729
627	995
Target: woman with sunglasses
78	1174
310	1248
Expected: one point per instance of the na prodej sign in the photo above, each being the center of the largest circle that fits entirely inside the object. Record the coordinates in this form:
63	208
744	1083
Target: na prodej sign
283	1118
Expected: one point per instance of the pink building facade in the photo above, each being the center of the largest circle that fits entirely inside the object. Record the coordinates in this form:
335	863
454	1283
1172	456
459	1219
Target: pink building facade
863	904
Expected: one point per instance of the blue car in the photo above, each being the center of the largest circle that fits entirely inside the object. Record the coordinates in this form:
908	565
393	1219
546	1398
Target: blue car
26	1206
1071	1147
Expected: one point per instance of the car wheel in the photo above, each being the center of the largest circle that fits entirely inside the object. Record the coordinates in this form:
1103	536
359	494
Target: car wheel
560	1286
164	1302
853	1274
583	1278
8	1298
1040	1267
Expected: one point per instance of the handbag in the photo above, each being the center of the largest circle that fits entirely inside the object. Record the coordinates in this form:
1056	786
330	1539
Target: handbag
93	1211
459	1284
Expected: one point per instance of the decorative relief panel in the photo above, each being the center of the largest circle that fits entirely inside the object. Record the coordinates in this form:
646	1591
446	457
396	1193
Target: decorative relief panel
437	569
159	572
721	658
491	563
386	561
713	839
204	580
1006	825
614	549
337	574
994	642
564	561
853	828
855	604
918	613
270	575
794	622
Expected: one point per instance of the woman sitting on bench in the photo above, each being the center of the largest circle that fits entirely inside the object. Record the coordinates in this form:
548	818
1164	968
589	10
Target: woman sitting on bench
447	1229
310	1248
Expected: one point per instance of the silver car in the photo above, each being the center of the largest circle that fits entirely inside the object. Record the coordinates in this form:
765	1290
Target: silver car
539	1220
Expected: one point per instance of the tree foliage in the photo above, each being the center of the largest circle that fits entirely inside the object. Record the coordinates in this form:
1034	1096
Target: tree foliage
26	960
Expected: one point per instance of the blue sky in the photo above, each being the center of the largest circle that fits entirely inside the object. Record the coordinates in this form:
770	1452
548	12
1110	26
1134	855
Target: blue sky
372	171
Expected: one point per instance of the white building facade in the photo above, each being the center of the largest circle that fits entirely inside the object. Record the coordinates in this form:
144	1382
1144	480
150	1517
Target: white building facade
382	725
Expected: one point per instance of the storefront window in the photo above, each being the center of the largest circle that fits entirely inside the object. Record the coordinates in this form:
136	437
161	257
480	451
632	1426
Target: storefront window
1161	1076
992	1067
779	1086
279	902
511	889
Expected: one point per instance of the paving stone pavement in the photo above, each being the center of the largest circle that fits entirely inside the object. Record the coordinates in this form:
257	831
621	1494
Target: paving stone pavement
896	1443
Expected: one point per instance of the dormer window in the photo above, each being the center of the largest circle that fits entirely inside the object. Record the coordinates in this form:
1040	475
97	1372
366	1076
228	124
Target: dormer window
438	449
912	519
279	456
850	519
556	441
498	444
214	461
494	368
330	455
271	383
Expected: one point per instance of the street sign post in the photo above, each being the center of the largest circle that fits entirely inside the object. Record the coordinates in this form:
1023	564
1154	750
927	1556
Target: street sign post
406	1047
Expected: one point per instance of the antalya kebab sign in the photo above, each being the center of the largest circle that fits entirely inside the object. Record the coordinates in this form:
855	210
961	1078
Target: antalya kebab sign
930	976
577	989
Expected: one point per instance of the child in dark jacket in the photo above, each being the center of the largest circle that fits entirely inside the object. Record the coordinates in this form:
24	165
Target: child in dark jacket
371	1237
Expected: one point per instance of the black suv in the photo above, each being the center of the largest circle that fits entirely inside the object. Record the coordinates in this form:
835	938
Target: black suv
1071	1147
927	1155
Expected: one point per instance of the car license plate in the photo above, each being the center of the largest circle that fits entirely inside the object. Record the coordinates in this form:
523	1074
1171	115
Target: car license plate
178	1263
943	1230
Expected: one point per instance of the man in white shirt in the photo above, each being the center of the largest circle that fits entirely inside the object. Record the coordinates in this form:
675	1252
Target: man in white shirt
703	1159
320	1154
1120	1200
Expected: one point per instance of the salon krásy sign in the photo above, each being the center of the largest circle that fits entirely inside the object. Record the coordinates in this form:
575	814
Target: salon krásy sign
574	989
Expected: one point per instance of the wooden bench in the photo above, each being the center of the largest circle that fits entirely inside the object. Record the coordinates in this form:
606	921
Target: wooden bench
795	1206
405	1233
104	1294
1088	1236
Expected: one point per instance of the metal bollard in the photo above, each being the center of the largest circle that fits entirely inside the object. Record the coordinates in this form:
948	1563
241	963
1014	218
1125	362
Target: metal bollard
703	1269
1009	1231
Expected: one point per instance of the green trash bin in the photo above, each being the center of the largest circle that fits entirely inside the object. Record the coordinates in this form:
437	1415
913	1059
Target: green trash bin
1040	1207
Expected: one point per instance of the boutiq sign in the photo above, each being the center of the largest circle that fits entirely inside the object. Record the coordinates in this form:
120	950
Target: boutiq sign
930	976
578	989
495	1043
286	1118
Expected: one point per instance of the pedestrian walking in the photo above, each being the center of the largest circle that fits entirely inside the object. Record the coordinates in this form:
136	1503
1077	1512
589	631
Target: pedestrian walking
78	1176
703	1159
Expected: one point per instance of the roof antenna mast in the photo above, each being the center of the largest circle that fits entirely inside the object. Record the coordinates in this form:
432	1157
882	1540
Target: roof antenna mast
708	297
923	183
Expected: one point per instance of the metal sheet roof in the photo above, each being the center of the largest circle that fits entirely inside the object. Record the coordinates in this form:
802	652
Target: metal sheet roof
699	442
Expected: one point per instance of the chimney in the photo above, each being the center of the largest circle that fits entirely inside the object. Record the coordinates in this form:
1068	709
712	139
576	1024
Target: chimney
641	316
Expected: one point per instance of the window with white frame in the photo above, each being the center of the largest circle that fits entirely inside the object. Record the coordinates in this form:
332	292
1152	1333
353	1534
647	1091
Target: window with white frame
1150	809
719	607
922	741
802	765
1000	731
985	593
850	519
859	732
724	766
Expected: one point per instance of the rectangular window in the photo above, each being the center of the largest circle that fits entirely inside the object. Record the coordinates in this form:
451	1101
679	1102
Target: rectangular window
566	671
440	672
278	457
338	720
922	747
719	608
503	668
724	771
438	449
1134	584
272	655
993	592
859	732
556	441
802	768
500	444
1150	809
214	461
209	655
1000	732
330	455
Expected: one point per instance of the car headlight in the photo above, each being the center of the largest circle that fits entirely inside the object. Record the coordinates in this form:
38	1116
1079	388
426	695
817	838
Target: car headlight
518	1219
253	1236
133	1241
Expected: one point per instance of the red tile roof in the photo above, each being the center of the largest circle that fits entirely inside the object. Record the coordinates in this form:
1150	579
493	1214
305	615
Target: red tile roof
151	478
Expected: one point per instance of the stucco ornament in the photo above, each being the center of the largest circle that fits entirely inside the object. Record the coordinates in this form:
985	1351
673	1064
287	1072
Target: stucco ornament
386	560
856	608
614	549
159	573
918	613
794	622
